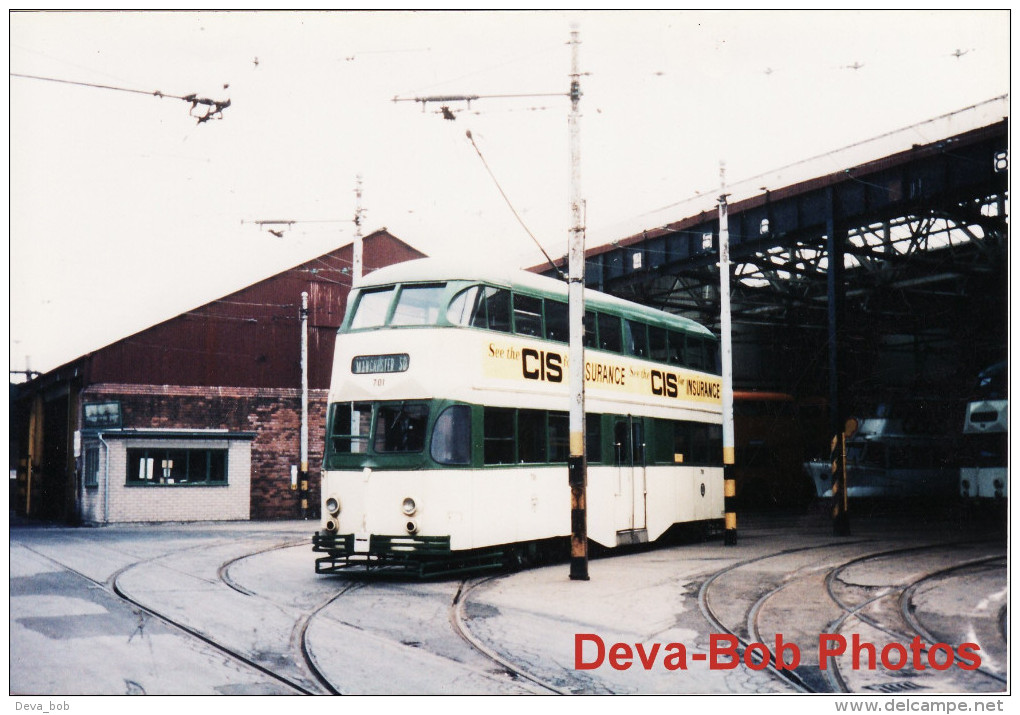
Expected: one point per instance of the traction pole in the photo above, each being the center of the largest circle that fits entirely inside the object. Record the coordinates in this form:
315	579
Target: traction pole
577	468
303	476
726	340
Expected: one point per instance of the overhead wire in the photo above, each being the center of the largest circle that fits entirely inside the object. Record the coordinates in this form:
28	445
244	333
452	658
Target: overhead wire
512	209
214	111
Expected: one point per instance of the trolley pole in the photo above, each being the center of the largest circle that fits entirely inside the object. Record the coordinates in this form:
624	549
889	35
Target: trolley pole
303	476
725	328
577	469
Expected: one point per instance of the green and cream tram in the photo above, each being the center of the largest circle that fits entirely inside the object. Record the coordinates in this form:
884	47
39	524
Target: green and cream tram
447	431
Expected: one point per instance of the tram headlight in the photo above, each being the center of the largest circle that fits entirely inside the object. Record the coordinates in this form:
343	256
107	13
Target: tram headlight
408	506
411	526
332	525
333	506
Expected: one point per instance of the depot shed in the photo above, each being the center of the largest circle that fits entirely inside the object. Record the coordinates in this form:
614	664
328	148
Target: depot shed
197	417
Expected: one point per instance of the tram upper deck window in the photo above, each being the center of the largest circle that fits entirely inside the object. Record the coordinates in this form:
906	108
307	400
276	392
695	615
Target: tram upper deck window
481	307
713	357
657	345
497	308
557	321
635	337
675	351
695	355
527	315
373	306
465	307
417	305
610	333
590	331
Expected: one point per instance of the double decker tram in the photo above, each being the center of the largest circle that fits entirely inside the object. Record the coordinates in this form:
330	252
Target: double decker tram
447	427
984	475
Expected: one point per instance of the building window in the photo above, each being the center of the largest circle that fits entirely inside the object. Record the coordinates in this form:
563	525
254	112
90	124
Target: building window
90	470
176	467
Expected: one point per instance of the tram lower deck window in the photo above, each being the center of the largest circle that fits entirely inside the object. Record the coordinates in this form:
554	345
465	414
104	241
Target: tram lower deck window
522	436
531	440
401	427
499	435
451	436
697	443
349	427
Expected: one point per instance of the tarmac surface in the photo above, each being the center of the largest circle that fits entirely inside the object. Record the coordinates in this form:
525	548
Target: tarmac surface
909	603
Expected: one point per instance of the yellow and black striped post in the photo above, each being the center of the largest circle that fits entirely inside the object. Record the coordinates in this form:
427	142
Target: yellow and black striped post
577	475
304	494
730	521
840	500
726	366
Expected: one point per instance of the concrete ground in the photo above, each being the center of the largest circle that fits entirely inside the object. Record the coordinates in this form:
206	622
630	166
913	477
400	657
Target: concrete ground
235	608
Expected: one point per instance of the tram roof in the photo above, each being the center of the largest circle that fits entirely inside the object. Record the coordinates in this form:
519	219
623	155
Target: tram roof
434	270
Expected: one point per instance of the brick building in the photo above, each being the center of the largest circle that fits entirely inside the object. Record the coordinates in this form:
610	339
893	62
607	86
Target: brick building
196	418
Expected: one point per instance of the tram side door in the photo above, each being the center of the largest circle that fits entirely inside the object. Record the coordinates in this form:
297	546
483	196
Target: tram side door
629	446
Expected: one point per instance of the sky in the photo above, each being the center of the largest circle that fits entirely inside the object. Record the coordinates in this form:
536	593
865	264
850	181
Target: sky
126	211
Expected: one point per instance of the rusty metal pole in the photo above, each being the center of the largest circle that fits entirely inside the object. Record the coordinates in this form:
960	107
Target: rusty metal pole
577	469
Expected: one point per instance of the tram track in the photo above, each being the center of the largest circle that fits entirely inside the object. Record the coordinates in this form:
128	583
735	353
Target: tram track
224	570
194	633
832	680
303	658
865	588
904	596
457	621
909	612
112	586
299	633
787	675
907	608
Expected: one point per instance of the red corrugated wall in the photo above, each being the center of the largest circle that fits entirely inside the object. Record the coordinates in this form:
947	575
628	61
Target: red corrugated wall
250	338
